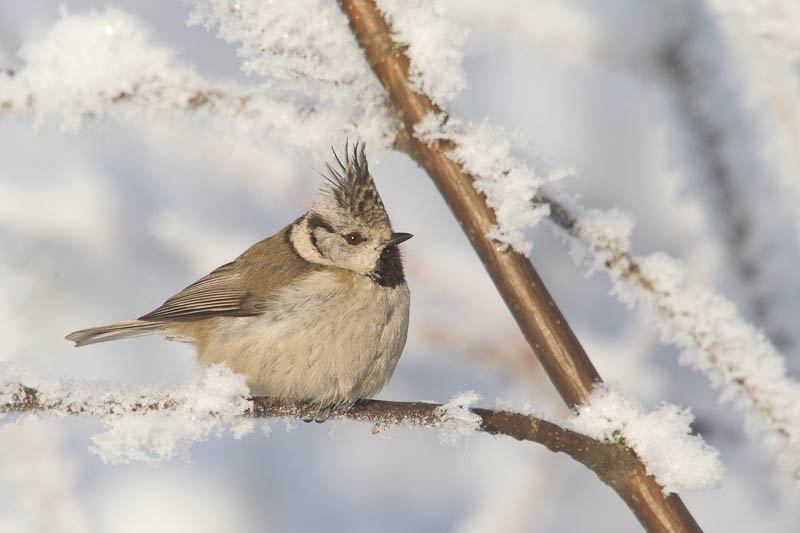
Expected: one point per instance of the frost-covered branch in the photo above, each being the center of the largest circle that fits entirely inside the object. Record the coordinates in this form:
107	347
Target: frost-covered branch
213	399
148	93
729	147
534	310
459	416
714	338
765	48
113	67
540	320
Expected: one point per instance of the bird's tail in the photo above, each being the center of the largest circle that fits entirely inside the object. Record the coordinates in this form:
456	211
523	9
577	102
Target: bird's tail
117	330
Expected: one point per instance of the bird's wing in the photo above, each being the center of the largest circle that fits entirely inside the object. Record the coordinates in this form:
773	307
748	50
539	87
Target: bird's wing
221	293
244	287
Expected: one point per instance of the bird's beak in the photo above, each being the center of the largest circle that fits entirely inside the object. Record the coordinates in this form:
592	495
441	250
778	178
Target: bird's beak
397	238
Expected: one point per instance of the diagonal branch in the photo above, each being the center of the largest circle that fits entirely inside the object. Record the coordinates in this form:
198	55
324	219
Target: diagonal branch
725	346
523	291
537	315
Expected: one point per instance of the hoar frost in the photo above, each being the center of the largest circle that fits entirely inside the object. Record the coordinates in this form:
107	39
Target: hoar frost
457	421
316	85
662	438
713	337
212	399
145	423
435	46
307	58
109	55
508	182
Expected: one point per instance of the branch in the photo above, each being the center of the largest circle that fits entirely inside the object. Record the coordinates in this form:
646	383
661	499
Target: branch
523	291
746	228
723	344
183	92
537	315
133	77
613	463
150	92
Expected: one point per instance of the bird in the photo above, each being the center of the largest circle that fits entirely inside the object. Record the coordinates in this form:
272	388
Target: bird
317	313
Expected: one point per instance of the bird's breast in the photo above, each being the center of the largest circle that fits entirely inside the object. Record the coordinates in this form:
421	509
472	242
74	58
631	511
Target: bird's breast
332	337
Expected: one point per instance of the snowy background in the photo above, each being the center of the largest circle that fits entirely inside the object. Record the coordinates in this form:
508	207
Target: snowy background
685	115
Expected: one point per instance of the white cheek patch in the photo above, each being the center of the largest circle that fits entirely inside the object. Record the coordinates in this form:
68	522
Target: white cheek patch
301	240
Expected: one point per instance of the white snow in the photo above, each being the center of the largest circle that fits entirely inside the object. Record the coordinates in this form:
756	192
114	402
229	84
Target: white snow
434	46
501	173
457	421
147	424
763	39
661	438
603	230
115	68
212	399
735	356
314	59
111	55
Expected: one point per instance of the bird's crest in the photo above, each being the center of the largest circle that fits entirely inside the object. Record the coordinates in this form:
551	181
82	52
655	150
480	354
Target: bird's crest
353	188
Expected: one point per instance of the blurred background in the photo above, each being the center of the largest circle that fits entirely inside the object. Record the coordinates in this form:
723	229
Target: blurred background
684	114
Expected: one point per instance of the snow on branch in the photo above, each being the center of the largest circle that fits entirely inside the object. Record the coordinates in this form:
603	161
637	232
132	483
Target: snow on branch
739	167
152	425
427	140
763	39
312	58
508	181
213	398
712	335
662	438
114	68
434	44
145	424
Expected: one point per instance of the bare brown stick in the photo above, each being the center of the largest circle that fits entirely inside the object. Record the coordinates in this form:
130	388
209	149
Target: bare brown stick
612	462
537	315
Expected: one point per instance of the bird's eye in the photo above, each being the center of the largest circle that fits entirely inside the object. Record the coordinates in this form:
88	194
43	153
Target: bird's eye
354	238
